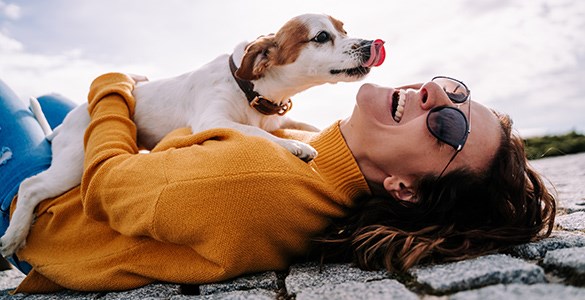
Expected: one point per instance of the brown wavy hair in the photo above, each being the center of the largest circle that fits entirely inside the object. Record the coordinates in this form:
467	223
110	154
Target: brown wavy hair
461	215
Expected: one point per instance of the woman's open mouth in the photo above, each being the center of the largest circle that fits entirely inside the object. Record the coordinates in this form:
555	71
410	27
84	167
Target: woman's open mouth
398	101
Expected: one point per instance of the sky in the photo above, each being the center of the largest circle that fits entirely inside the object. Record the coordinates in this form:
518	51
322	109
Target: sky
522	57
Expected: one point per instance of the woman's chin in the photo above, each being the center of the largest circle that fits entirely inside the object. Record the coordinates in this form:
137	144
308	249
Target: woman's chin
375	104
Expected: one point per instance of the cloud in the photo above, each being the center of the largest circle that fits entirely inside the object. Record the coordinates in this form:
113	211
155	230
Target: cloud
33	74
9	45
10	11
522	57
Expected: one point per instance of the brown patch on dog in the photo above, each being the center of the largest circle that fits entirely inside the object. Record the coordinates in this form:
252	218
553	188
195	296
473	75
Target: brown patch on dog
280	49
338	25
257	58
290	40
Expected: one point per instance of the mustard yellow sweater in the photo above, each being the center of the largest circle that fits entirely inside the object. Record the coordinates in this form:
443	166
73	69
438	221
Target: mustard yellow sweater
199	208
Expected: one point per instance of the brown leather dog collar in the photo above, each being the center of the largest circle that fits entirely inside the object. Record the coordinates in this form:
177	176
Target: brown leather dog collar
258	102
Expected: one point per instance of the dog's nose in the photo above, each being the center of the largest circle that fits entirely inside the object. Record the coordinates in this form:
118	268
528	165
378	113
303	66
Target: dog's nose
373	53
364	46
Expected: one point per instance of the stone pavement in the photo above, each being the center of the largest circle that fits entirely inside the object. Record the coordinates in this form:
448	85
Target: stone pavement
553	268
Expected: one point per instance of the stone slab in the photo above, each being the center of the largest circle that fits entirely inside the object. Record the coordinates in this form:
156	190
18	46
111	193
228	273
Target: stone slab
65	295
567	174
10	279
372	290
539	291
310	275
557	240
478	272
567	263
573	221
266	281
151	291
254	294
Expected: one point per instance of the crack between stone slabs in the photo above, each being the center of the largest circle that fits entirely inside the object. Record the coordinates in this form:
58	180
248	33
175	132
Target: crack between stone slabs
189	290
556	275
100	295
563	275
427	290
408	281
549	273
423	289
282	292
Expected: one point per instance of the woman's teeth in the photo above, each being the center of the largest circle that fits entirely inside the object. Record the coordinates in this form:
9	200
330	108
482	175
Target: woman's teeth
400	107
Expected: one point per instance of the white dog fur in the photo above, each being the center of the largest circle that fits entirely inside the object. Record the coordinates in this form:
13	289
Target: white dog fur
308	50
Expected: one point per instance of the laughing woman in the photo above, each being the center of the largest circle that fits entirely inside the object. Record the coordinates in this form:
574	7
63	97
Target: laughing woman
416	174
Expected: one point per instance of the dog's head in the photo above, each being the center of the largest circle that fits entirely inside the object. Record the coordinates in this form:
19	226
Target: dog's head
309	50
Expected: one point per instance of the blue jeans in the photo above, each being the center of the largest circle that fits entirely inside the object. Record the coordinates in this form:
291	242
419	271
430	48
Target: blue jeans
24	151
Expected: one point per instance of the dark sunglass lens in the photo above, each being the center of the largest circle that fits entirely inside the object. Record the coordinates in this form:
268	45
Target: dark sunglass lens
449	125
457	97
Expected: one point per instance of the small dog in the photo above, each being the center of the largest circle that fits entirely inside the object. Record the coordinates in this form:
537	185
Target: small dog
249	91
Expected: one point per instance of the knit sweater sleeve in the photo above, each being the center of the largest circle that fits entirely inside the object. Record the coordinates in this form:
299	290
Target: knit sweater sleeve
111	151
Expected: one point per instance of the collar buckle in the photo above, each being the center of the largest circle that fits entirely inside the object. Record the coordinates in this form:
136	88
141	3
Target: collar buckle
267	107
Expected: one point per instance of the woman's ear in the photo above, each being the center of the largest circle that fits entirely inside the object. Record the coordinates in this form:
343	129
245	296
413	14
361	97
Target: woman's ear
400	188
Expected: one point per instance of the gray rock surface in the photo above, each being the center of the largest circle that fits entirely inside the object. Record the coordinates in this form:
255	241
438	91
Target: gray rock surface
570	263
477	272
522	292
10	279
553	268
572	221
311	275
557	240
355	290
266	280
254	294
567	174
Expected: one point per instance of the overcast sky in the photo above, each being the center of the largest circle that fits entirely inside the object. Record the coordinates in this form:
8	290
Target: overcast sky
525	57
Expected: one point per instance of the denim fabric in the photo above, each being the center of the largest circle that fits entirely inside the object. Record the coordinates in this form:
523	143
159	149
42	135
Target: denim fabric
24	151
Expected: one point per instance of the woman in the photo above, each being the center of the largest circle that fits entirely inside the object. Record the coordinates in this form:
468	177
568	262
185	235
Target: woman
491	200
405	178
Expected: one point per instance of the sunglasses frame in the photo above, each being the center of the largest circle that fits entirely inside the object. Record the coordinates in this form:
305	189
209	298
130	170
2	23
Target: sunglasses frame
459	146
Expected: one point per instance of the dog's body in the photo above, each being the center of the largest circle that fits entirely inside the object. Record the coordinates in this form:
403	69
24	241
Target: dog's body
308	50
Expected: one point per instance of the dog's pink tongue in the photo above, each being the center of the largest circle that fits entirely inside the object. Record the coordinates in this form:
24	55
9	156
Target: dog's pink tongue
377	54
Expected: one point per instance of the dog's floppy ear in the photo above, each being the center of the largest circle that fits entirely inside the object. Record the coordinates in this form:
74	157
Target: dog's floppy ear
257	58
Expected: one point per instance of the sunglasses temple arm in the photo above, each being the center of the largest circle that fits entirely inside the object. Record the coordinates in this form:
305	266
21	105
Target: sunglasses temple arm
469	114
445	169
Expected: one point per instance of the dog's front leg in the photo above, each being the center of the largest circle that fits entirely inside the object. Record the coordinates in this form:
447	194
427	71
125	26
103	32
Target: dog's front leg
288	123
301	150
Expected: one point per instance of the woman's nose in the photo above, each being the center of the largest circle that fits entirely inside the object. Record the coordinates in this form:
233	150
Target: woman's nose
433	95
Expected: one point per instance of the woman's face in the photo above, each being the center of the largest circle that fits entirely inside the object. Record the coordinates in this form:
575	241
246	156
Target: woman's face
392	152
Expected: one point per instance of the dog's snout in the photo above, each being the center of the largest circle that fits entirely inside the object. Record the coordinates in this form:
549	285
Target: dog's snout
362	46
366	43
364	49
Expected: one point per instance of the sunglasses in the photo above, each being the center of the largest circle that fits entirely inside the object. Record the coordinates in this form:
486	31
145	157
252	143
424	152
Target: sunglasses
449	124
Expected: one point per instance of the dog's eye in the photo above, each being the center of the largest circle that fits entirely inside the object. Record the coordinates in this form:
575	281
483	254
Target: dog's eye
322	37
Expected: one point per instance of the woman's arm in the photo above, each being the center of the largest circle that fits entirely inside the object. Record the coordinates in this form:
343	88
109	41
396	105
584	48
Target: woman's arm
115	177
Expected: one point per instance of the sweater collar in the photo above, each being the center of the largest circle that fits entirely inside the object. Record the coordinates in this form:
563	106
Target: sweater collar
337	164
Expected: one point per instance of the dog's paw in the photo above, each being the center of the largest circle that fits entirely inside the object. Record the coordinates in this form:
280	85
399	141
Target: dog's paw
300	149
10	243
